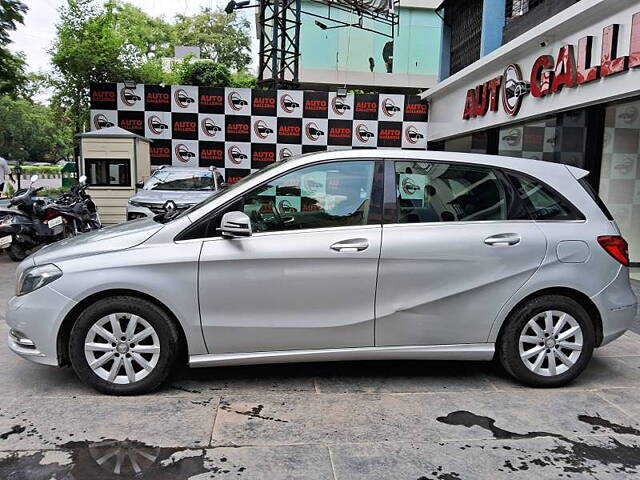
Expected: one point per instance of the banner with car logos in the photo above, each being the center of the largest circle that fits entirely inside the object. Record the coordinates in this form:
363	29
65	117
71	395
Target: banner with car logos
240	130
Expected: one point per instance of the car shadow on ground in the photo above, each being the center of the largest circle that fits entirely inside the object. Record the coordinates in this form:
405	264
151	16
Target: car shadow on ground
402	376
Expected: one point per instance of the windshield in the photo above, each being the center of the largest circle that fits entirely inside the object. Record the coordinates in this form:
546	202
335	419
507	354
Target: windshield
175	180
231	187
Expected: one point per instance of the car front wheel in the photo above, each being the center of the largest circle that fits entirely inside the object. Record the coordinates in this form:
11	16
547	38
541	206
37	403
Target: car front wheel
547	342
123	345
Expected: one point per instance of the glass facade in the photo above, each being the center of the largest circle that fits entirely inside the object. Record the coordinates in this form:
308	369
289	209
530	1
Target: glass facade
620	173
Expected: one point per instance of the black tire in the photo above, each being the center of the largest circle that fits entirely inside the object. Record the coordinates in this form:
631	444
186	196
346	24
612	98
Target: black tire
165	328
69	230
17	252
508	343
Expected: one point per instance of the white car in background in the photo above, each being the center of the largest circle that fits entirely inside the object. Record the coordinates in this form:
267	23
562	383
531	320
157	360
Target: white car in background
183	186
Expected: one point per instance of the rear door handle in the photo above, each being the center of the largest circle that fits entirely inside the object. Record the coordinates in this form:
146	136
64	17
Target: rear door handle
351	245
503	240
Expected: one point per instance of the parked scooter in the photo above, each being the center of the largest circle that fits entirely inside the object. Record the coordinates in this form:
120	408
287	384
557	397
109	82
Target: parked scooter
77	207
34	222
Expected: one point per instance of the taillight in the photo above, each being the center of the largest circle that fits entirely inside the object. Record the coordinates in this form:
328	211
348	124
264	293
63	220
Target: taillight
616	246
50	214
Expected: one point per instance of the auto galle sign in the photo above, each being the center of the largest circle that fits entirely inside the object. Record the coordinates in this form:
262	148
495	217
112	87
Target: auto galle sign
548	76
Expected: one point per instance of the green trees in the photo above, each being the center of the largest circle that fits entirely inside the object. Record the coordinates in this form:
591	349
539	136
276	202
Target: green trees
87	48
11	65
119	41
202	73
107	41
27	130
221	37
31	131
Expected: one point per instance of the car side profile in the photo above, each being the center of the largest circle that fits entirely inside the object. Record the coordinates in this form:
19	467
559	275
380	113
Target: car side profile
345	255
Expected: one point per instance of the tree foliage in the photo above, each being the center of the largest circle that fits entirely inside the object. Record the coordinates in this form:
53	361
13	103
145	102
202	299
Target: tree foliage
30	131
223	38
11	65
11	14
150	37
12	72
87	48
243	79
202	73
118	41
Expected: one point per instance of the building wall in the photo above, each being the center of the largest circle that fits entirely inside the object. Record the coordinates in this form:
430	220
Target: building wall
342	55
586	18
471	30
536	13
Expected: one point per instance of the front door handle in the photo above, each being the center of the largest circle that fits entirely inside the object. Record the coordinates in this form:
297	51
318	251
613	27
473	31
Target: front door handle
351	245
503	240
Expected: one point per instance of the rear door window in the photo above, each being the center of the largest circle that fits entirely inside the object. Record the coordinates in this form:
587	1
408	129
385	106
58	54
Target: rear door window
442	192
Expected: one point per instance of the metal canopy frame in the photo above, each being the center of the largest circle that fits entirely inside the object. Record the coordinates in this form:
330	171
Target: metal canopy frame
279	24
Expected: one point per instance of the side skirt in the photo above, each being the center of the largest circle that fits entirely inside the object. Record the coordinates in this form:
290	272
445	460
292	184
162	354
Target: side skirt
470	351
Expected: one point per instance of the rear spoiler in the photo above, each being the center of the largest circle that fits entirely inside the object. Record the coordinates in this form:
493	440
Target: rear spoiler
578	173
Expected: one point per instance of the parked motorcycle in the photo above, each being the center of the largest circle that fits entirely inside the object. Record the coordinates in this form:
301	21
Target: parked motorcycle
78	206
32	222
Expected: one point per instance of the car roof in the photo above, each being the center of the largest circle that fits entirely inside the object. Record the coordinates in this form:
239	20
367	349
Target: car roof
537	168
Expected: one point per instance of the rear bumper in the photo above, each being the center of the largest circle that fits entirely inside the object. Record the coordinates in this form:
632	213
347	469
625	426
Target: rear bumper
617	305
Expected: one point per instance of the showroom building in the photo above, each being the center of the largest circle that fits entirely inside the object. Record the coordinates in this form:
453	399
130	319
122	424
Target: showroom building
567	90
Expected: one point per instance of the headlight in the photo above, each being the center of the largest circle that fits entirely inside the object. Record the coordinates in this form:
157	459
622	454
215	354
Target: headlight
37	277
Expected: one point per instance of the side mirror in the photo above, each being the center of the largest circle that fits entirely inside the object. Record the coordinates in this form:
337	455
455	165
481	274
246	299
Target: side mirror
235	224
83	179
139	184
34	178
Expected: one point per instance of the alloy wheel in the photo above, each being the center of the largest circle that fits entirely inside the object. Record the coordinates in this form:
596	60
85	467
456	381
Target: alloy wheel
550	343
122	348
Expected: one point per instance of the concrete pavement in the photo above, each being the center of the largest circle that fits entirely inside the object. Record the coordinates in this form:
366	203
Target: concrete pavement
370	420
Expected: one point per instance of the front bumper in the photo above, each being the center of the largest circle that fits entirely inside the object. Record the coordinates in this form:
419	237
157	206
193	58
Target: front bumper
617	305
34	320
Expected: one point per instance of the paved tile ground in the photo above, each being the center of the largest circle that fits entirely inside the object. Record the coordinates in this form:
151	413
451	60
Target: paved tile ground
374	420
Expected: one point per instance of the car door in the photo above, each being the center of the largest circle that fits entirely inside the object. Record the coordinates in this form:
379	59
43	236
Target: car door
451	256
306	277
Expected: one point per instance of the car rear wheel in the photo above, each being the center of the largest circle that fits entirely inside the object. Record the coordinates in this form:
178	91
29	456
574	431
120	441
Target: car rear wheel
123	345
547	342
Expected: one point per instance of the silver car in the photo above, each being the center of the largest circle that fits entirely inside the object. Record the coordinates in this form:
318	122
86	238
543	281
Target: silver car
340	256
185	186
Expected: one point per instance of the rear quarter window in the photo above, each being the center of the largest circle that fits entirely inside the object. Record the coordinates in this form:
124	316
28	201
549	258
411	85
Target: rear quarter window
595	197
541	201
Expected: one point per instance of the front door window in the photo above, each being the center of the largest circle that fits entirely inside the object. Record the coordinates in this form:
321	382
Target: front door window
332	194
